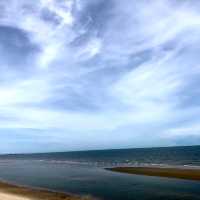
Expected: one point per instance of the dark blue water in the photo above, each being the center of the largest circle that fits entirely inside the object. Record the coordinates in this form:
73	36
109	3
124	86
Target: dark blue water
83	173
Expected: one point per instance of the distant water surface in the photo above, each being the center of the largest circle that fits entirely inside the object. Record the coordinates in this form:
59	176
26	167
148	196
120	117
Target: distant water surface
83	173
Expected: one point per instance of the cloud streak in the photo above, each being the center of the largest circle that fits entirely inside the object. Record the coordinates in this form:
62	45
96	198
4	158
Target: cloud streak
99	70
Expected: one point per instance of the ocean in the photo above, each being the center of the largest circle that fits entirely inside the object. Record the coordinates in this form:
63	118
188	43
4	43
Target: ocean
84	173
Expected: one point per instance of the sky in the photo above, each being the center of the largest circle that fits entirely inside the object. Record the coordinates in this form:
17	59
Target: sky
98	74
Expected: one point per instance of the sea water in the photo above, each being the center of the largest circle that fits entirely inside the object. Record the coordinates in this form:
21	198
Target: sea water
84	173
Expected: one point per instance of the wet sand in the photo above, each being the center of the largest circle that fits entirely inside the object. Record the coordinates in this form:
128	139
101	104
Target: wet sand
181	173
13	192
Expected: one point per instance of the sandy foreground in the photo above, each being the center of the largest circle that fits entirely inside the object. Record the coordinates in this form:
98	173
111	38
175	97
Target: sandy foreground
13	192
12	197
181	173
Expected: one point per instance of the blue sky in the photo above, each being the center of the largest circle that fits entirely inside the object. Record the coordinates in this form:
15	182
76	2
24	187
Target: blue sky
98	74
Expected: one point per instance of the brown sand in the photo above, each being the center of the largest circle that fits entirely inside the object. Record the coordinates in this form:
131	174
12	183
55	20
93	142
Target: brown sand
181	173
13	192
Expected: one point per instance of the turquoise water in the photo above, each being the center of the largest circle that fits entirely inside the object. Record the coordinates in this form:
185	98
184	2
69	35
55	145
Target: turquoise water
83	173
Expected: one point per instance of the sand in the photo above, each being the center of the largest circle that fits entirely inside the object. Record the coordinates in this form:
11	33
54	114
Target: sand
13	192
12	197
181	173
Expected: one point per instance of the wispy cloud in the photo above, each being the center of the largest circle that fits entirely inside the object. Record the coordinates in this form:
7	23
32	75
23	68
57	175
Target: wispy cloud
87	71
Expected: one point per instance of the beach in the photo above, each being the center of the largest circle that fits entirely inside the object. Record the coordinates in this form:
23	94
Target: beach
14	192
180	173
83	173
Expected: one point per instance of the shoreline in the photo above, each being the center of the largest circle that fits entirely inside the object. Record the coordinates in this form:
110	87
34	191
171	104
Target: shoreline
10	191
167	172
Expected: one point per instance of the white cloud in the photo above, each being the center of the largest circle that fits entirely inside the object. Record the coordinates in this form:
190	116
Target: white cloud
77	63
183	131
91	49
25	92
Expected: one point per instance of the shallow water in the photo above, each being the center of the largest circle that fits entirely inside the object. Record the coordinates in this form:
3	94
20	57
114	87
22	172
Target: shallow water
83	173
